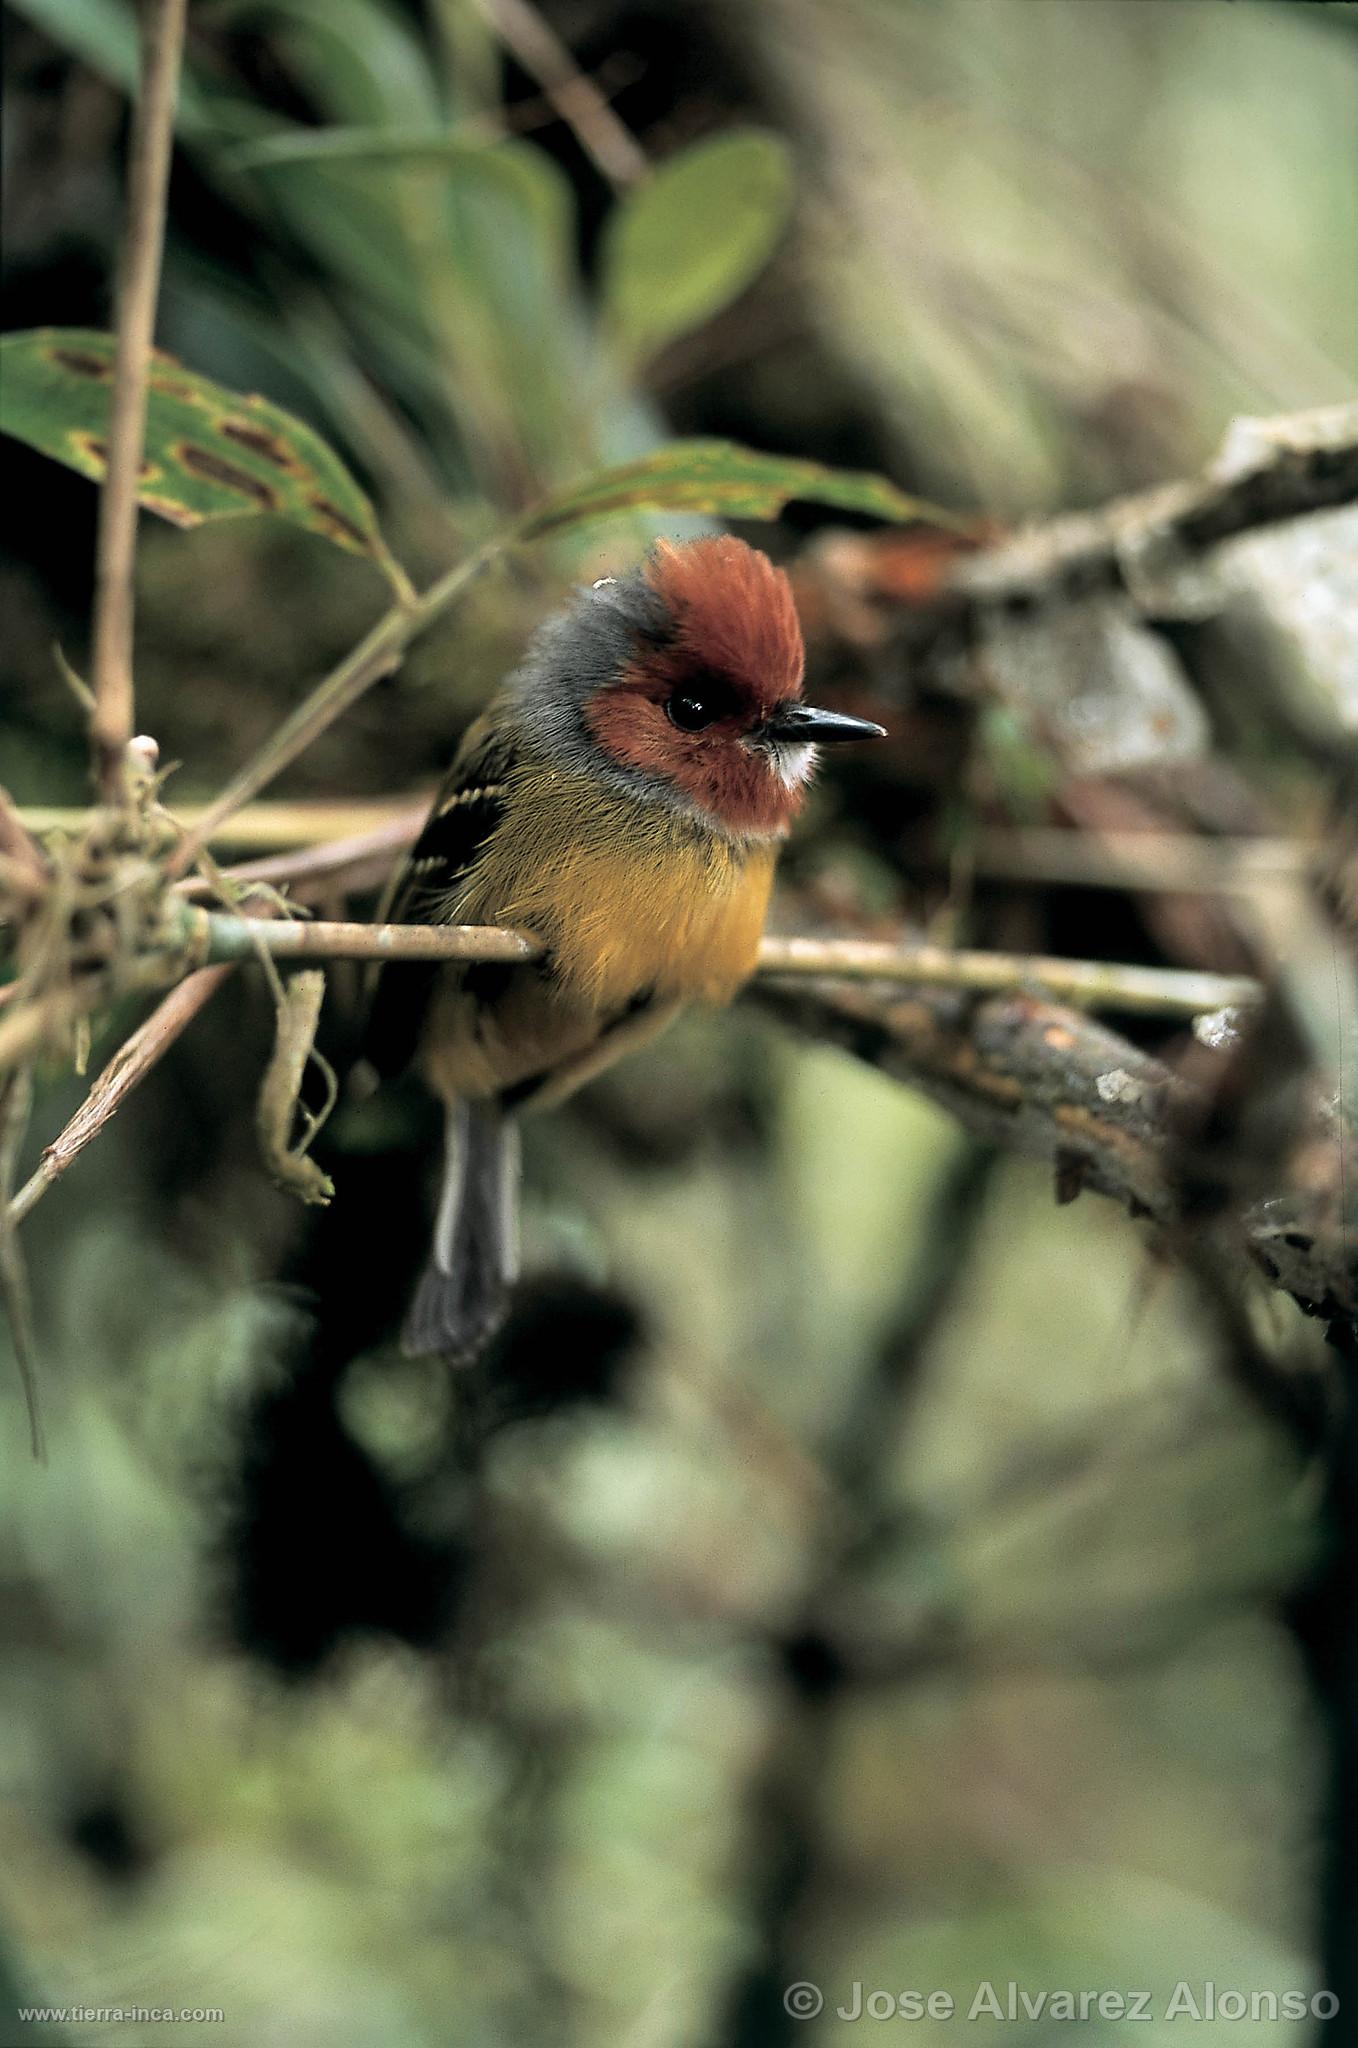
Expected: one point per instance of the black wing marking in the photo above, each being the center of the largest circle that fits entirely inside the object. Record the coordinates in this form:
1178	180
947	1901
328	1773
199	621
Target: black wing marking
444	851
466	811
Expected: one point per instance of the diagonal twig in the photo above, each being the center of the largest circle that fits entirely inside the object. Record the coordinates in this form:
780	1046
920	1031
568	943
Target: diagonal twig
607	142
129	1066
358	861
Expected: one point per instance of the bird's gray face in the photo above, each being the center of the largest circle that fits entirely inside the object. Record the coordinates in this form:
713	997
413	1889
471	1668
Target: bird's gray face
585	647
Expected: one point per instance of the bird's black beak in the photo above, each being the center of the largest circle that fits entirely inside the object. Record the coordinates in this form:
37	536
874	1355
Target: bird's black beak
803	722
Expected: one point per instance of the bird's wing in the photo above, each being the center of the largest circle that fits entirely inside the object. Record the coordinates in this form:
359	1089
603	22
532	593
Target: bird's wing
466	811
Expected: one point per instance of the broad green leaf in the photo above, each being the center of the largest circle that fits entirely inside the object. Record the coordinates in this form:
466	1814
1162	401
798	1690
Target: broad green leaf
209	453
359	58
102	33
725	481
516	189
496	271
504	301
683	244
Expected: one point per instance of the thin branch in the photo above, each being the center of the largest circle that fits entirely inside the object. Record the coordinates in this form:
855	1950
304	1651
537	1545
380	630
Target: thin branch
1158	991
307	822
116	547
1267	470
129	1066
1099	984
607	142
221	940
236	938
362	860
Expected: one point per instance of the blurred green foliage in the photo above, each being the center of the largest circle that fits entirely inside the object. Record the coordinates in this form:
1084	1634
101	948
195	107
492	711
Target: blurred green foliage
690	238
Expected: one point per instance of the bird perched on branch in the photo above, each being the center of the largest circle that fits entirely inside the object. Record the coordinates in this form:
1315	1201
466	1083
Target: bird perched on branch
622	798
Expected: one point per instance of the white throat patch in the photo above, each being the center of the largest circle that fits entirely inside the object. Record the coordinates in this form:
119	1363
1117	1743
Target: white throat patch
794	762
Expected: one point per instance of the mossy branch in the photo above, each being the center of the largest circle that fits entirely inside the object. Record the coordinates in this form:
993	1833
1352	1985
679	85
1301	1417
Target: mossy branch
1040	1079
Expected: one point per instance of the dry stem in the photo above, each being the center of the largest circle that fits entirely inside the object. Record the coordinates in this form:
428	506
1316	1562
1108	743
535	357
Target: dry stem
130	1065
363	860
115	555
307	822
609	145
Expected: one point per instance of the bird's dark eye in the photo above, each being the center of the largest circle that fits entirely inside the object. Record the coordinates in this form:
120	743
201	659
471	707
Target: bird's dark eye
704	696
691	710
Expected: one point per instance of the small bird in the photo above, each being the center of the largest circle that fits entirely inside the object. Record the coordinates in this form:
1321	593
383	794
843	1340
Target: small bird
622	798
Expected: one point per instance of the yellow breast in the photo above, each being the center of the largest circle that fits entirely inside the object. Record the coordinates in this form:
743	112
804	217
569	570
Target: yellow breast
627	896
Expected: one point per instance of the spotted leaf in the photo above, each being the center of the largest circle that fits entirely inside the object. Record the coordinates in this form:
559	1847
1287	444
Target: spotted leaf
723	481
209	453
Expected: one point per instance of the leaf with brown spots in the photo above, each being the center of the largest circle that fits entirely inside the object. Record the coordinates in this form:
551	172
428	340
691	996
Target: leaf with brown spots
725	481
210	454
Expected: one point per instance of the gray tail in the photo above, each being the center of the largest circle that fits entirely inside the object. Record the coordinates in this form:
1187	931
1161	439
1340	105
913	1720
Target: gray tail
464	1293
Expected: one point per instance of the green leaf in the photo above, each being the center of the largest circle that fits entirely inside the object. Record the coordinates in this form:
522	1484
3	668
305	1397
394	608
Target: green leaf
683	244
209	453
502	298
382	146
359	58
725	481
102	33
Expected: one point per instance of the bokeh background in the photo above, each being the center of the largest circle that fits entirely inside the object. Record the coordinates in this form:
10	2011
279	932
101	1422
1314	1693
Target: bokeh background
851	1566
